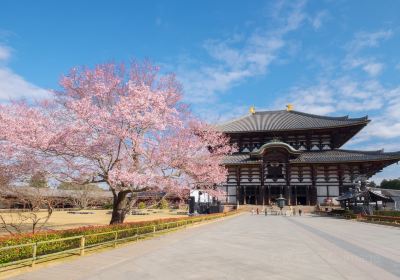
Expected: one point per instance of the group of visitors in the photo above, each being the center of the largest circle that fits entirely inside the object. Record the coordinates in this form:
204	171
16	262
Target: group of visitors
292	210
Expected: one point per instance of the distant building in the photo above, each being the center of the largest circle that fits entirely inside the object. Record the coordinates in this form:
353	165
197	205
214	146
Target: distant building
297	155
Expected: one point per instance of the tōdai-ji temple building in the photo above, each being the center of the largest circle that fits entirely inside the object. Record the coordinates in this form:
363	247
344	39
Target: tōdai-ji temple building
296	155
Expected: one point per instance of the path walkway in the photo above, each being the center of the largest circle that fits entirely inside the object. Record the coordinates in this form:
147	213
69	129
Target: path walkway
248	247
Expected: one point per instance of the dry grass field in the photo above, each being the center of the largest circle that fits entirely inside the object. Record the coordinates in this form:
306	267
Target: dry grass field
65	220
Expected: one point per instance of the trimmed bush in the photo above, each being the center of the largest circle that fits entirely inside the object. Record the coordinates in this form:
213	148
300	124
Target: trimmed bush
387	213
163	204
142	205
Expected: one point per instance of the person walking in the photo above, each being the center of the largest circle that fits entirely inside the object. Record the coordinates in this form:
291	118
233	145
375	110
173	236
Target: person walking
252	211
300	211
258	212
266	211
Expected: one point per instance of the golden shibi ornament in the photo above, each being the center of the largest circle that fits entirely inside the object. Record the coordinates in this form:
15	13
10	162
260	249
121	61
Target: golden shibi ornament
252	110
289	107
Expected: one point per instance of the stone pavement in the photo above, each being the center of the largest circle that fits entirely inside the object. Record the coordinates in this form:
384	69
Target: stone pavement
248	247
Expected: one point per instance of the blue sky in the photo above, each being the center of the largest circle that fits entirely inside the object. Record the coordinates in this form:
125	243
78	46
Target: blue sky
325	57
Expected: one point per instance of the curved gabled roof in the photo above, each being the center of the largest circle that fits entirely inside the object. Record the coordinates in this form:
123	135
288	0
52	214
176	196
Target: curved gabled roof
275	144
286	120
240	159
325	156
339	155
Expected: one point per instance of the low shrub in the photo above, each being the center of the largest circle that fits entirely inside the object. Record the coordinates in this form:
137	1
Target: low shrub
163	204
142	205
387	213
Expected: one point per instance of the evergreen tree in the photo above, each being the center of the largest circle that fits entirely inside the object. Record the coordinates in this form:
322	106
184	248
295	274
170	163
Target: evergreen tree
393	184
38	180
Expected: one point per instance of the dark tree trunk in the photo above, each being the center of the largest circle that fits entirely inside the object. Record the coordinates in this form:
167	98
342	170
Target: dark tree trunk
119	207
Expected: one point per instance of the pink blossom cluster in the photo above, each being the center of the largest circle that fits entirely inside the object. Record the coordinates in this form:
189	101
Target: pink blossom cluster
127	128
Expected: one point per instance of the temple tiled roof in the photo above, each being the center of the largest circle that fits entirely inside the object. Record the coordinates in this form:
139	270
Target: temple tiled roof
339	155
336	155
286	120
240	159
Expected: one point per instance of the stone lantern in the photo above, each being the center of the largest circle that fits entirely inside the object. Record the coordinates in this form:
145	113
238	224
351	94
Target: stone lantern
281	202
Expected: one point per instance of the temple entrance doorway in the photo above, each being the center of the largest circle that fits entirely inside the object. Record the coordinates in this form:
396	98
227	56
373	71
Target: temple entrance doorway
299	193
275	192
251	193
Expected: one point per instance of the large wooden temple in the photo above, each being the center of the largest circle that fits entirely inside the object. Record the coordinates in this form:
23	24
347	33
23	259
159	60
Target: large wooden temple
296	155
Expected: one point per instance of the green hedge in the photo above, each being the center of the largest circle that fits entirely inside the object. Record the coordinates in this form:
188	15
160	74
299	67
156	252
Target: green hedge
128	230
387	213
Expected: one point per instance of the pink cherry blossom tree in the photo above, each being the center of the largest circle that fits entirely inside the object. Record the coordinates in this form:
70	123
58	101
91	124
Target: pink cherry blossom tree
126	128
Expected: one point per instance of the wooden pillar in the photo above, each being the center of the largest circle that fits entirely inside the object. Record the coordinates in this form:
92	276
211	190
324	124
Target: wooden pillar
308	141
256	195
263	195
269	195
287	194
313	186
238	188
289	191
237	194
244	195
340	178
308	195
295	195
262	184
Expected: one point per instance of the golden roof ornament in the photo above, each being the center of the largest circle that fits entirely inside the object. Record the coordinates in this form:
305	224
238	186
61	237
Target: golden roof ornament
289	107
252	110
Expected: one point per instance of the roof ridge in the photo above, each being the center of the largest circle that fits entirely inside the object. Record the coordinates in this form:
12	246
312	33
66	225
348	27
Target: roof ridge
233	120
381	151
285	120
350	151
344	118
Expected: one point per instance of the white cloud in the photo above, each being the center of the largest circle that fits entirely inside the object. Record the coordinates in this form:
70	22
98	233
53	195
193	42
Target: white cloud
373	69
316	22
345	95
368	40
5	53
330	96
390	172
361	41
12	85
237	58
221	112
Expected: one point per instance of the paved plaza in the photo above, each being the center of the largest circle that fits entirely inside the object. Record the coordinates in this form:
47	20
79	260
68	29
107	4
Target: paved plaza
248	247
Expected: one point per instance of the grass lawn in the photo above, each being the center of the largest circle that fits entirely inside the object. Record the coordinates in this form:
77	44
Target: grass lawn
63	220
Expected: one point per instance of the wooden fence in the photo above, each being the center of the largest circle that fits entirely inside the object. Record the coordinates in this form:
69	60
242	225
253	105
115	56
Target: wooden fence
32	252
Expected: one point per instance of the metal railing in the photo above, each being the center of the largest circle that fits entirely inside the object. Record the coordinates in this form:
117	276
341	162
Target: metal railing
78	244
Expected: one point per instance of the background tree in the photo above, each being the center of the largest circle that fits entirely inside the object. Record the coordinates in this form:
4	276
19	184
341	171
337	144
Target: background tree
38	180
38	204
390	184
124	128
372	184
163	204
83	196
